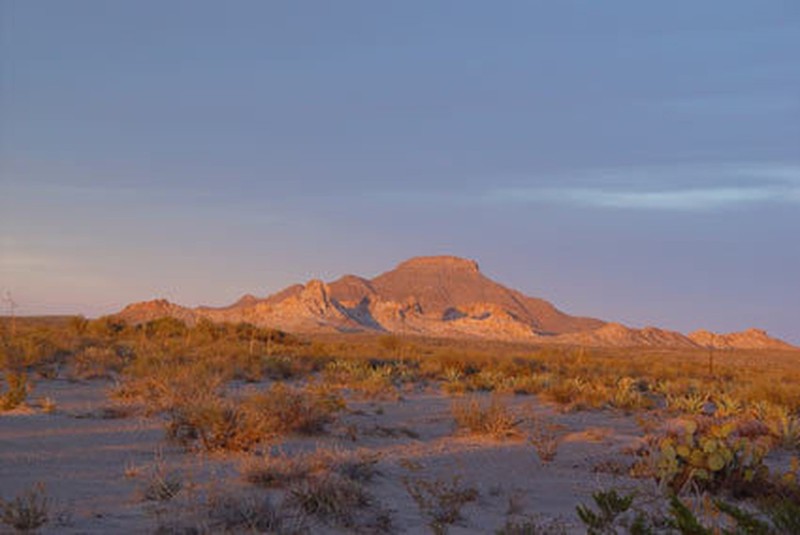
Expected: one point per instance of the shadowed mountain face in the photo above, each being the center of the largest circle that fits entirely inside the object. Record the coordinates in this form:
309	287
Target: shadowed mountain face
441	296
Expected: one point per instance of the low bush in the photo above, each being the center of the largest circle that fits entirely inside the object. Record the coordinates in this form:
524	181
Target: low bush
16	391
282	470
95	362
329	497
244	514
495	418
26	512
216	423
440	501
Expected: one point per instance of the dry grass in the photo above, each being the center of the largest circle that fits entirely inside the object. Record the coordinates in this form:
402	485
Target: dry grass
330	498
26	512
544	438
494	418
281	470
216	423
440	501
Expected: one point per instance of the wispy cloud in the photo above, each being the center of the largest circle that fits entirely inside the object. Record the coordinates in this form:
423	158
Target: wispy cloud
684	199
732	104
666	188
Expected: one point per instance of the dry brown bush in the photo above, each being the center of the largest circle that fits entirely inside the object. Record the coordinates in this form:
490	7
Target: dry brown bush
495	418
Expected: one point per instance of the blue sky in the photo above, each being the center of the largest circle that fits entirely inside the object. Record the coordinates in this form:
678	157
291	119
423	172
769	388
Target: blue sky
635	161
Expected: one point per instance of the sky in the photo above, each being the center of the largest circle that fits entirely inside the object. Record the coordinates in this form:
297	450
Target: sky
633	161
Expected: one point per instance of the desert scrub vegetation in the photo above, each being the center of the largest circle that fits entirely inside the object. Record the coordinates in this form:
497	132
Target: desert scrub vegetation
226	511
440	501
367	378
280	470
27	511
15	391
580	378
544	438
217	423
329	497
713	473
708	454
614	513
327	485
494	418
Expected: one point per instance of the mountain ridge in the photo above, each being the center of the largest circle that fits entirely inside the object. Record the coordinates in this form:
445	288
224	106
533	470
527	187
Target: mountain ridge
439	296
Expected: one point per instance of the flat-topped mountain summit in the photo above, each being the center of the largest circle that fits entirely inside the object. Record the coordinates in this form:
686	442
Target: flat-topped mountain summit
442	296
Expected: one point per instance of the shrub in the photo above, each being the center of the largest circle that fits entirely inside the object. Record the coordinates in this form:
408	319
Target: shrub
162	485
544	439
283	409
219	424
98	362
440	501
494	419
238	514
17	389
370	379
28	511
215	424
330	497
280	470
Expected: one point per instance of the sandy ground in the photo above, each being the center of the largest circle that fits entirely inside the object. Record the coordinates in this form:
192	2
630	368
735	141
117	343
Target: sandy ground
94	467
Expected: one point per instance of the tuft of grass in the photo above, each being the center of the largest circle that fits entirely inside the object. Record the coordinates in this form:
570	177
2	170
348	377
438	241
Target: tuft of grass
494	419
330	497
162	485
28	511
440	501
17	389
544	439
244	514
282	470
48	405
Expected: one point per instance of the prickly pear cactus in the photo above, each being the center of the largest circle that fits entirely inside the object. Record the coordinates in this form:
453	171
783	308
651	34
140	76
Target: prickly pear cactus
710	454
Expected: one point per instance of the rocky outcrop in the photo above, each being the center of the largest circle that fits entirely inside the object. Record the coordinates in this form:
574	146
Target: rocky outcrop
157	308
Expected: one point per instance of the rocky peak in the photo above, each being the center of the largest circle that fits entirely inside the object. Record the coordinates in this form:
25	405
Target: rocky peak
316	296
246	300
448	263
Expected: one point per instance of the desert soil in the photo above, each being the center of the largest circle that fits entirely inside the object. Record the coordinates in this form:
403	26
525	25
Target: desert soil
94	467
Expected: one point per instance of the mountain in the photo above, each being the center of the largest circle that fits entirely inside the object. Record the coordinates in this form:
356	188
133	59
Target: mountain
442	296
749	339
